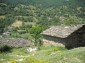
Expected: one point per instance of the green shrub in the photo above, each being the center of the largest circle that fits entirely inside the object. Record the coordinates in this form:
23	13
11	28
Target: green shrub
71	20
55	49
68	22
4	48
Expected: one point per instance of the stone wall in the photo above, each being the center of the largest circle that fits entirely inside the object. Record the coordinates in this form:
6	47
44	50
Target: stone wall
15	42
49	40
71	41
76	39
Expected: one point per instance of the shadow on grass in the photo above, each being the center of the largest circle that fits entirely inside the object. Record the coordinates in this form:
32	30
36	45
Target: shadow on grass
5	48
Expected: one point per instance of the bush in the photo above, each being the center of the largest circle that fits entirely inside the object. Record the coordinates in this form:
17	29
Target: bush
71	20
4	48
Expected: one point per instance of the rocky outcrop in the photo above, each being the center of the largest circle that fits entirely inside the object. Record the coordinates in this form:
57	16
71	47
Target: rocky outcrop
15	42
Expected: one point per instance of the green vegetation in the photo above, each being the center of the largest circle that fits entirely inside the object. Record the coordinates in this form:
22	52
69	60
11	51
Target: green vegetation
50	54
28	18
5	22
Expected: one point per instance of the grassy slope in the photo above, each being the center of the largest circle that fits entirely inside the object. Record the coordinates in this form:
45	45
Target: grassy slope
49	55
46	55
66	56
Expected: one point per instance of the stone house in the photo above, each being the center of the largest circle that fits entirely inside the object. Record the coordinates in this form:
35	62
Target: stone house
68	36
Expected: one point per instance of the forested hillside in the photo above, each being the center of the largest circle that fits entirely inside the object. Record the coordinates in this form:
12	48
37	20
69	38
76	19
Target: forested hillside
28	18
45	2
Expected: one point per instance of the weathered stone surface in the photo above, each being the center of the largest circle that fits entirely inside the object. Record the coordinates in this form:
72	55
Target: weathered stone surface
61	31
15	42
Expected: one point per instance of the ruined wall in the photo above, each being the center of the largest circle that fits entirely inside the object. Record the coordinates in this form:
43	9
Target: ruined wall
15	42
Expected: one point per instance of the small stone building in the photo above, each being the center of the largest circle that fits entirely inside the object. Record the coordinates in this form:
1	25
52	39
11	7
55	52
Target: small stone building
68	36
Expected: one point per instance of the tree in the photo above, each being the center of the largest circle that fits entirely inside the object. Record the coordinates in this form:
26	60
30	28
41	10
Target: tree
35	32
4	23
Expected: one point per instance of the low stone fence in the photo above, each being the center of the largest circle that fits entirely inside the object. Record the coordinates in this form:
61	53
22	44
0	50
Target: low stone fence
15	42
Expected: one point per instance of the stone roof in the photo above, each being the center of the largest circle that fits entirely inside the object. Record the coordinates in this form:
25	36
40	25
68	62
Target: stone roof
61	31
15	42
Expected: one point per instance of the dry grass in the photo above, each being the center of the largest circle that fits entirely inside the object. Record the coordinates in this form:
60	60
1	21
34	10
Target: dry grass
2	17
17	23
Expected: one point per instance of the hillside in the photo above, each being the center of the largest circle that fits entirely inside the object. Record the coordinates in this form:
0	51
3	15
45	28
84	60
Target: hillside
45	55
46	2
28	18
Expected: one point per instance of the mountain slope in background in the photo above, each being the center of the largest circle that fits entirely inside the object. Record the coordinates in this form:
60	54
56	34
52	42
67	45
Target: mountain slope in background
42	13
46	2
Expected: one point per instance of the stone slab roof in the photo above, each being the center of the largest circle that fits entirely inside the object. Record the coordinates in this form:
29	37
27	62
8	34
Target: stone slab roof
61	31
